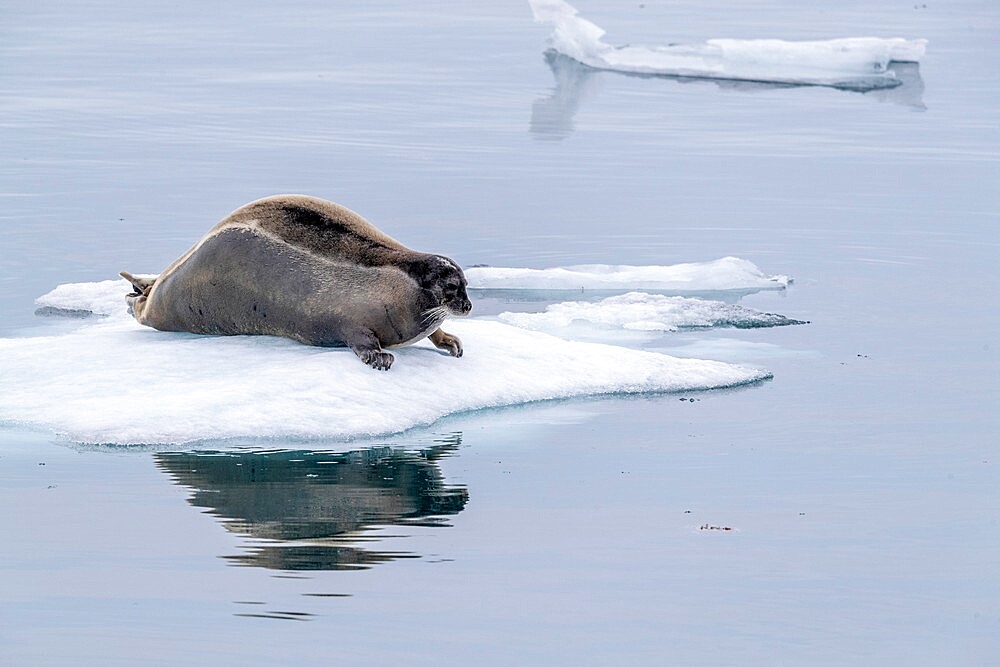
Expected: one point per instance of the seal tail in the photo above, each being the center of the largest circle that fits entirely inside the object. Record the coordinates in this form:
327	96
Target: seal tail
140	286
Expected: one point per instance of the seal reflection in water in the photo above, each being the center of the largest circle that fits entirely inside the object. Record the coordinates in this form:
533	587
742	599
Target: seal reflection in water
311	270
315	510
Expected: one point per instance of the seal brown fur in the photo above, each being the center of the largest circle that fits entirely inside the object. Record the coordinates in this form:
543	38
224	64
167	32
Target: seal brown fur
311	270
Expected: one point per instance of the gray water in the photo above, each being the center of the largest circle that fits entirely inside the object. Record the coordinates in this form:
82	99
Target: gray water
859	485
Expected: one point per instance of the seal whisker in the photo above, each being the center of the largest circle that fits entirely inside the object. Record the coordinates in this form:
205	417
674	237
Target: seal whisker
434	315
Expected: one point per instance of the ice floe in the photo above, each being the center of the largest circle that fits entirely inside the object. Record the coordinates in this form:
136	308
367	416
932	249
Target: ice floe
111	380
638	311
853	62
725	274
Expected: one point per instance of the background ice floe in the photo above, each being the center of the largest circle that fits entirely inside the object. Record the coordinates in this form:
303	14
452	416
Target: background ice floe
114	381
856	62
638	311
725	274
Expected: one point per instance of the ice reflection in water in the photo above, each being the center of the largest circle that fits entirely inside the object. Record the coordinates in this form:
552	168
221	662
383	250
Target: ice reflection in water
310	510
552	116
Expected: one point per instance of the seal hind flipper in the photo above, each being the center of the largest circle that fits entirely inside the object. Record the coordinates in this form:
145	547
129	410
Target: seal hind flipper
140	286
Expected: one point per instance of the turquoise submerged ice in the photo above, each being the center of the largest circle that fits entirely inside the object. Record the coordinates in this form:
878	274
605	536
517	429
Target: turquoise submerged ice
110	380
855	62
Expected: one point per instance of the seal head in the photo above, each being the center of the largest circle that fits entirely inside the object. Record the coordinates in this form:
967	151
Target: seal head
445	282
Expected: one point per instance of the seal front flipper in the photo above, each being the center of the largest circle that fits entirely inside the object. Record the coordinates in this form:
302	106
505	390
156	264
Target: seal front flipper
364	344
447	342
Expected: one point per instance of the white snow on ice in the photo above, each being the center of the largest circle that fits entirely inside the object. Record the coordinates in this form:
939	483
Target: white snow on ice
725	274
114	381
854	62
638	311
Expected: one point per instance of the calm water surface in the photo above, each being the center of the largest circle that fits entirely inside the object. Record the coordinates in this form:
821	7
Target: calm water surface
860	485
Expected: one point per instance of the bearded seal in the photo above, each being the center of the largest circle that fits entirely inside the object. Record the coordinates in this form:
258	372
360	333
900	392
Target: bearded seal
310	270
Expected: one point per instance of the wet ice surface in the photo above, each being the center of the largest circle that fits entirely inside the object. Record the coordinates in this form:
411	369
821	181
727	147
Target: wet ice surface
860	482
858	63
